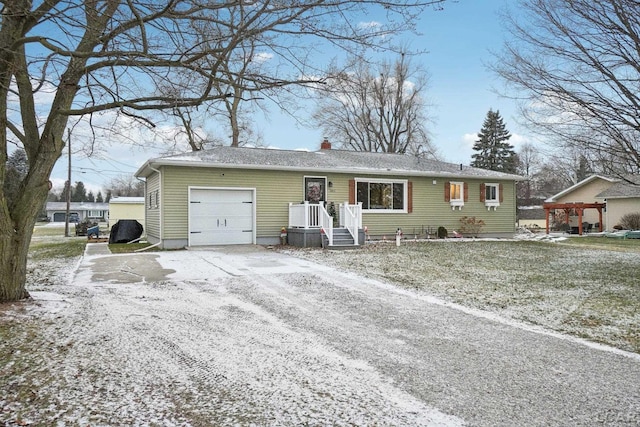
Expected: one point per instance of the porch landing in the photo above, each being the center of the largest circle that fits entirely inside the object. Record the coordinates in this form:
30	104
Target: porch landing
313	238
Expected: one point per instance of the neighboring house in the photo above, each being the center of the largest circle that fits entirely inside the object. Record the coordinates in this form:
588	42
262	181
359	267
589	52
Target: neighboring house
622	197
229	195
585	191
126	208
78	211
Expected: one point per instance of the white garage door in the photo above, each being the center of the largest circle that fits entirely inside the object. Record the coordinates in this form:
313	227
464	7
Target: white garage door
220	217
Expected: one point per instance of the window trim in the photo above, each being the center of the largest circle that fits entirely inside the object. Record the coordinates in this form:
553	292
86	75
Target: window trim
318	178
405	194
456	203
153	199
492	203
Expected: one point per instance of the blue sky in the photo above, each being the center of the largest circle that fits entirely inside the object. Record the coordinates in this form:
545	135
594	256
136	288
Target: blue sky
457	40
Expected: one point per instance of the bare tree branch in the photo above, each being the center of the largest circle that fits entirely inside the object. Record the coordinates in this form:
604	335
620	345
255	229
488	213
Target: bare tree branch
577	66
381	111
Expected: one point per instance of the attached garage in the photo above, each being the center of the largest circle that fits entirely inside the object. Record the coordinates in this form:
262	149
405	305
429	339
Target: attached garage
221	216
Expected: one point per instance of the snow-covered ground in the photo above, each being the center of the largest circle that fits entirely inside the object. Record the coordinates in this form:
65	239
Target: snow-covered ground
234	337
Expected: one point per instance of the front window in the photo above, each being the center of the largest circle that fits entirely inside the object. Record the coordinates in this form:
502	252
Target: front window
456	194
491	193
382	195
491	196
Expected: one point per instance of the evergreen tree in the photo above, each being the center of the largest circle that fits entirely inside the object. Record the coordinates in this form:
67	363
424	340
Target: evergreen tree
99	198
493	149
90	197
79	192
108	197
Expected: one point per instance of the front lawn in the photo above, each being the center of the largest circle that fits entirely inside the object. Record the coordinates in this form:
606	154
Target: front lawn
608	243
576	287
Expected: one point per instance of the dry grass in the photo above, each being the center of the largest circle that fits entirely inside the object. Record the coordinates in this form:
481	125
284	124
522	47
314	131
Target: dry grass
572	288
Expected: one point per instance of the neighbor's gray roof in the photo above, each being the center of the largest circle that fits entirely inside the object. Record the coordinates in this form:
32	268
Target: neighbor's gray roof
627	187
83	206
323	160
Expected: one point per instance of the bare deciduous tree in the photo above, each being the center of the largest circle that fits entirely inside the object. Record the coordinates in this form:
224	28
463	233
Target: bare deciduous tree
528	165
577	65
126	186
378	110
61	59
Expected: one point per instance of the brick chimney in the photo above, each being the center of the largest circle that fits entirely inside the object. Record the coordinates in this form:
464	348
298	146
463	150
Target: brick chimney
325	145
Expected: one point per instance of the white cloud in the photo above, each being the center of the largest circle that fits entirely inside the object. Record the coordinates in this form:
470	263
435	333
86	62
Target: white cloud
518	140
262	57
373	25
469	139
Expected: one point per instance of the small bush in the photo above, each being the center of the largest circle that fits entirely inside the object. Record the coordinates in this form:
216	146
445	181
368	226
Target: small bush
630	221
442	232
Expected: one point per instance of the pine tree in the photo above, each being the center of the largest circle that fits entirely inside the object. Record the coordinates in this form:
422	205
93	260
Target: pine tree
99	198
79	193
90	197
493	149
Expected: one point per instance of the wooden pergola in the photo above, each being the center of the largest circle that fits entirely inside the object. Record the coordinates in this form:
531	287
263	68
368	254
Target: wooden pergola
578	208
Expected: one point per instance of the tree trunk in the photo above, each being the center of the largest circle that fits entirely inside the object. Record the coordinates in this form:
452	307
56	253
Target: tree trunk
15	237
13	266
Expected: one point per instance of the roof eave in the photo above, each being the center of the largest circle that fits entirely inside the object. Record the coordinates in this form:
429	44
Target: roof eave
151	165
578	185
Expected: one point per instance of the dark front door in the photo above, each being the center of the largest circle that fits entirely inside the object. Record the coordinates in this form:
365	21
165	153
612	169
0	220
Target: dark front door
315	189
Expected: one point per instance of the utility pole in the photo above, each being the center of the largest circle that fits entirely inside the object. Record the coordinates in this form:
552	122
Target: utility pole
66	222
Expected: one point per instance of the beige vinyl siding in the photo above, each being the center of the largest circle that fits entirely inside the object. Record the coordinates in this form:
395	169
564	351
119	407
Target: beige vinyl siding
118	211
587	194
617	208
152	220
276	189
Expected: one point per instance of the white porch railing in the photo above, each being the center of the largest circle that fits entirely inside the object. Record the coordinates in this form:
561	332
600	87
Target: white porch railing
311	215
304	215
351	218
326	224
314	215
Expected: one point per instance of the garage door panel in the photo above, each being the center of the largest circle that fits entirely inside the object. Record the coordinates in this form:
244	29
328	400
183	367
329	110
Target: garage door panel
222	209
221	217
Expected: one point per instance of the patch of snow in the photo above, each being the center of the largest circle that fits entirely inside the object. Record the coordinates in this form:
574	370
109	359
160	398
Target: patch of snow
265	338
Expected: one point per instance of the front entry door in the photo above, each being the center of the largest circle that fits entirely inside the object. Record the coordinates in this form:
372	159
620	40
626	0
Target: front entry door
315	189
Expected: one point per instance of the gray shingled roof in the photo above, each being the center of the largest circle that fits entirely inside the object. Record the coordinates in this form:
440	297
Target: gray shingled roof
323	160
628	187
86	206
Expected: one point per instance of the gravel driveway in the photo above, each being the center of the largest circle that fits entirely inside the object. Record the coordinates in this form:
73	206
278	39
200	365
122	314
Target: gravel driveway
247	336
